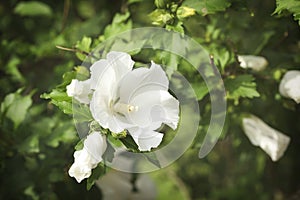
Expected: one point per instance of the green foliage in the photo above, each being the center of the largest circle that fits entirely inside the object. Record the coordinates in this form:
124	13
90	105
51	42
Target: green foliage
84	46
241	86
292	6
15	107
97	173
33	8
120	23
206	7
37	141
59	97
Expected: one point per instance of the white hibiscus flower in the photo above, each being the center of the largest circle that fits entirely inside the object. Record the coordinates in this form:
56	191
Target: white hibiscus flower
135	100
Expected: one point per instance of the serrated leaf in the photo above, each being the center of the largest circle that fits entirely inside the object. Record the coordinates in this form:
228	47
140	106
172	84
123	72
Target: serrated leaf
64	106
33	8
120	23
60	99
85	46
57	95
293	6
15	107
81	113
241	86
205	7
67	78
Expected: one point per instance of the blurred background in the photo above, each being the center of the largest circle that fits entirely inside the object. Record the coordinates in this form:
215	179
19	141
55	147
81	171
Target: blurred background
37	140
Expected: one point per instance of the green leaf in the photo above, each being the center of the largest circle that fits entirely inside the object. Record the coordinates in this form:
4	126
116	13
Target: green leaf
29	191
81	73
292	6
57	95
33	8
200	90
12	69
129	143
241	86
177	27
161	3
133	1
85	46
64	106
205	7
81	113
152	158
62	133
15	107
79	145
96	174
30	145
109	153
120	23
60	99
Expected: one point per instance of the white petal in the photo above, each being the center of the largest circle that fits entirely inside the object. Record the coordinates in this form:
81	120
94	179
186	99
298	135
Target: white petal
111	70
143	79
80	90
79	172
257	63
154	107
121	61
145	138
95	145
102	112
88	158
105	77
82	166
273	142
290	85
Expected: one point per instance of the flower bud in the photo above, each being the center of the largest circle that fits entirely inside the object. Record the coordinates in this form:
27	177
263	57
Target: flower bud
160	17
273	142
256	63
183	12
290	85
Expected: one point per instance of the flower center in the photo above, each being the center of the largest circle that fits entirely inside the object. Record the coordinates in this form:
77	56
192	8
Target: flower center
123	108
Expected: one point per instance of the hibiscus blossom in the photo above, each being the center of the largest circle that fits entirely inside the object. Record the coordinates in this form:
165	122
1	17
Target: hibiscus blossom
134	100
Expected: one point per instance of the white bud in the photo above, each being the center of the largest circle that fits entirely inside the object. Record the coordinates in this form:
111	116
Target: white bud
256	63
273	142
290	85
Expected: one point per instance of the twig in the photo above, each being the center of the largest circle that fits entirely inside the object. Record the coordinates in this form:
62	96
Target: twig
76	51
